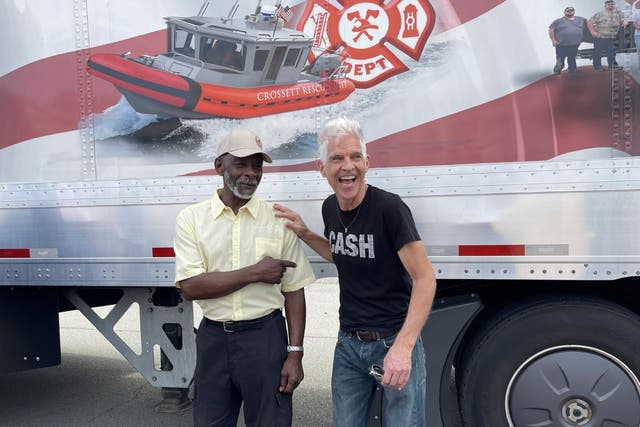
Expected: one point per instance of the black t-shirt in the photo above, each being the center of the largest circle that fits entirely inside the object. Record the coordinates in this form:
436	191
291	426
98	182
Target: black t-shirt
375	288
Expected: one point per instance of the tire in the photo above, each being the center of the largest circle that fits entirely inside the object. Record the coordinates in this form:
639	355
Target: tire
559	362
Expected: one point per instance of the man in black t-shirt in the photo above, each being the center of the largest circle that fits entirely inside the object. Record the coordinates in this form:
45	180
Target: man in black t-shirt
387	284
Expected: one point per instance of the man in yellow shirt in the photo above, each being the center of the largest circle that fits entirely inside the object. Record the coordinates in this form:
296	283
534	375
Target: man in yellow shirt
242	266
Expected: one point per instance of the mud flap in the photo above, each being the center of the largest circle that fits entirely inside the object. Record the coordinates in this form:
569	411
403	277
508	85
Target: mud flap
30	328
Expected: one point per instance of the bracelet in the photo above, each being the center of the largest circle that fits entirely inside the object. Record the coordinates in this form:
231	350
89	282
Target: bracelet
291	348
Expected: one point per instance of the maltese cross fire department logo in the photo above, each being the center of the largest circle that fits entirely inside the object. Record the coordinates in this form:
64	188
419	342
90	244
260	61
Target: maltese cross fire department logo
361	31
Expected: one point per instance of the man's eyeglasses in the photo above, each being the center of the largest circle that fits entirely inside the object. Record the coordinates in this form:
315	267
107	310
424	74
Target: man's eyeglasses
569	11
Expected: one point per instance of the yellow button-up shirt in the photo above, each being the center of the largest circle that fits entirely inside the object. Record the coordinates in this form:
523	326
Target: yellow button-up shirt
210	237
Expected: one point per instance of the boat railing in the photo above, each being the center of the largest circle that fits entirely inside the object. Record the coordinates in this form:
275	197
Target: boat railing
261	37
213	29
327	64
340	72
239	34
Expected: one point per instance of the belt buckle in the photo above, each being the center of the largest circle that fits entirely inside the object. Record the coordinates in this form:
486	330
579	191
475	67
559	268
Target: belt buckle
224	326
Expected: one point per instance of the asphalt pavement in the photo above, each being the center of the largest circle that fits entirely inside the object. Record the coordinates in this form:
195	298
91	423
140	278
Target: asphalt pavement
96	387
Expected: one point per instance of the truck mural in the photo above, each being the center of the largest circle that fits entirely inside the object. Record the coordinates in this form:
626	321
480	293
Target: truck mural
524	183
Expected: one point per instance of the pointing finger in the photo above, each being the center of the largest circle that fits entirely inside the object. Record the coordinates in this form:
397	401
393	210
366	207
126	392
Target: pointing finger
289	264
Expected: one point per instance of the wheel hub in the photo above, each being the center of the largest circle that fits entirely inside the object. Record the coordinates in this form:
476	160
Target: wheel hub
572	386
577	412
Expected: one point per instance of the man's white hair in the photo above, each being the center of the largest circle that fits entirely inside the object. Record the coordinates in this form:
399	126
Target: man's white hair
336	128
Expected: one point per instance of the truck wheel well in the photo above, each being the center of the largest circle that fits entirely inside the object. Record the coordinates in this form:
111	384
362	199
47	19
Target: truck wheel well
496	295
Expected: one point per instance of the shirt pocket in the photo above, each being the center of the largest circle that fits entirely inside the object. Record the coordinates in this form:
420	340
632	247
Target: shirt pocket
266	246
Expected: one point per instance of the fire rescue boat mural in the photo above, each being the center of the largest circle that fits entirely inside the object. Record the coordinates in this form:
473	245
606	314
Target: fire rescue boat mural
436	82
216	67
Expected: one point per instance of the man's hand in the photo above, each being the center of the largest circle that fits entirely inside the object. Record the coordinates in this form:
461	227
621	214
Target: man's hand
271	270
397	366
292	374
295	223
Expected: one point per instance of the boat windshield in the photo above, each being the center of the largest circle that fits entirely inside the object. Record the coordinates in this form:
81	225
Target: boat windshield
184	42
223	52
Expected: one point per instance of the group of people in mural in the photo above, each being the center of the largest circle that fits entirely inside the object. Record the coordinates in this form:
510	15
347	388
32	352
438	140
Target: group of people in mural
602	29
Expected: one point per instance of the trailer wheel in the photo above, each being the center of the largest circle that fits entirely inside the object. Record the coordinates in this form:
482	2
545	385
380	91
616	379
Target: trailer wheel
574	362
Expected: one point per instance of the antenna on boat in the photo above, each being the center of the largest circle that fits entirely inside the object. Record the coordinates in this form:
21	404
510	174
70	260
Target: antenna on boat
233	10
275	23
258	8
203	8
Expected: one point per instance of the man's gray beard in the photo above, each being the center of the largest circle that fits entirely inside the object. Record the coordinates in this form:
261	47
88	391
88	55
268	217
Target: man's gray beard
234	188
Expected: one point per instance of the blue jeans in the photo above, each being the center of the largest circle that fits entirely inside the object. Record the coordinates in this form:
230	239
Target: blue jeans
637	40
567	51
599	45
353	388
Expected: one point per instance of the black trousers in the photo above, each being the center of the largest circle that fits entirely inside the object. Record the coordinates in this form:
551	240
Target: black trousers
241	367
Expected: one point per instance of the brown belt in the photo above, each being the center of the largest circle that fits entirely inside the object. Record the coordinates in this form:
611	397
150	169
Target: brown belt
370	335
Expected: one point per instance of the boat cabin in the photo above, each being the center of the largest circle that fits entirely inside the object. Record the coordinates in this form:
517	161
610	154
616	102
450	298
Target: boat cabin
239	53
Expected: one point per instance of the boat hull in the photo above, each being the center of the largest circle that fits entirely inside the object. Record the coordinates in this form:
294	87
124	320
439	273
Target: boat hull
153	91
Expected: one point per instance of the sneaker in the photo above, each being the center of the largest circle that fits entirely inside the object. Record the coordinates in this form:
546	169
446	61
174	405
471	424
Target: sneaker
598	68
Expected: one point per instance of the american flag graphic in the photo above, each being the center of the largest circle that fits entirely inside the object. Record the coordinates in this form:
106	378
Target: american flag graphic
27	126
285	13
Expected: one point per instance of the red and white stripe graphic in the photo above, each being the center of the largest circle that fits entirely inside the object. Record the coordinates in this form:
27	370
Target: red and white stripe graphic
476	250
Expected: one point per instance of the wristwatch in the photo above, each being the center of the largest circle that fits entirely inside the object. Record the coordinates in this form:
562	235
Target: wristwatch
291	348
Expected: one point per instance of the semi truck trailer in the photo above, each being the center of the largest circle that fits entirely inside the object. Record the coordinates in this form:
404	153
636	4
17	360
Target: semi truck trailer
524	184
